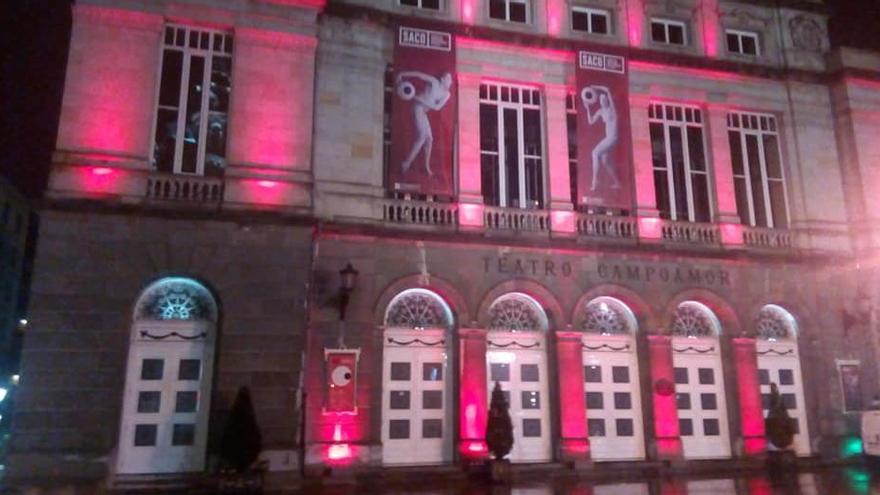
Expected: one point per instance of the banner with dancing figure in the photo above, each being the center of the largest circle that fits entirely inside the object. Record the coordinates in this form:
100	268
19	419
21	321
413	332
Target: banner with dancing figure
604	141
423	110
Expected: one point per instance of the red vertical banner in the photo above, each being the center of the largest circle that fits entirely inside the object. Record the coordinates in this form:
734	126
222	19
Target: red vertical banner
341	382
423	112
604	139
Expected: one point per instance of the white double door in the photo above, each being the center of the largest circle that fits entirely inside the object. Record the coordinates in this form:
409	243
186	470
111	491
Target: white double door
614	405
778	363
518	361
416	406
699	390
166	403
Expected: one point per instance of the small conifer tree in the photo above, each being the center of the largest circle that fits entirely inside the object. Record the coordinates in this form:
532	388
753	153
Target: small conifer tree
499	428
780	430
241	442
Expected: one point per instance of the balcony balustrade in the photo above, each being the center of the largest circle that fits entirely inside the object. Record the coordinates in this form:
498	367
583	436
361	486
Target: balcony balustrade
420	213
606	227
516	220
767	238
185	188
705	234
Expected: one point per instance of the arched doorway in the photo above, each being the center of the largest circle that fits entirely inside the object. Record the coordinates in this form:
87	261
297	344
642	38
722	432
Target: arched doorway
779	363
611	376
164	427
416	400
516	357
699	382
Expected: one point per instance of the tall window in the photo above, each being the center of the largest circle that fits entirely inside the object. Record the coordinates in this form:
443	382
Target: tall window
571	126
757	170
668	32
511	146
509	10
423	4
589	20
193	102
742	42
681	179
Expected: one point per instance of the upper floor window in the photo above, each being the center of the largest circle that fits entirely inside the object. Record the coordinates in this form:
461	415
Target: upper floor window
509	10
511	146
571	127
668	31
422	4
742	42
681	178
193	101
757	170
589	20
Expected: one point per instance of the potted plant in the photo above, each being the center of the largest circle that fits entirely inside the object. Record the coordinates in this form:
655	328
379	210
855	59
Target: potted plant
499	435
240	473
780	433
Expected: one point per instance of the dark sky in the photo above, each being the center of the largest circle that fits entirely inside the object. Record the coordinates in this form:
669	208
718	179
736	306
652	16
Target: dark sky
33	53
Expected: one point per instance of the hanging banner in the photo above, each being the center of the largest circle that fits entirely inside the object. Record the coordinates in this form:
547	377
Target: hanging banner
341	376
604	140
423	110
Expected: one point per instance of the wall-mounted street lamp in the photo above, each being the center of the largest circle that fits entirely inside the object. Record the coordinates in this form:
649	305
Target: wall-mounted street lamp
348	282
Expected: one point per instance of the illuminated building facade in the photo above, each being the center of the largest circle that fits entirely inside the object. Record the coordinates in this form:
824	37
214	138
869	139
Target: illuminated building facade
633	215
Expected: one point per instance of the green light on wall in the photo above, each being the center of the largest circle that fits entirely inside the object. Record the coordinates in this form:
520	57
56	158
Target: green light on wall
851	447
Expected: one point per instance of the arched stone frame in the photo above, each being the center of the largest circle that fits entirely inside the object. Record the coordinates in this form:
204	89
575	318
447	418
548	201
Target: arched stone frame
417	326
520	345
646	317
701	325
557	319
611	344
779	361
168	386
461	313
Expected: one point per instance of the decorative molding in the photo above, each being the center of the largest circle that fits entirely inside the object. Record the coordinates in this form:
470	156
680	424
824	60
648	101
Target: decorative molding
533	345
624	347
694	349
392	340
789	352
806	33
152	336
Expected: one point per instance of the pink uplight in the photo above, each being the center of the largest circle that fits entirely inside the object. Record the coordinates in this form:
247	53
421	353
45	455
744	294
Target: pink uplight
467	10
650	228
269	184
470	215
563	221
339	452
732	234
102	171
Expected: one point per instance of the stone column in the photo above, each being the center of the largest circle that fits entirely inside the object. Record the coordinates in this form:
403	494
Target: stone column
559	179
470	194
722	170
666	432
745	357
473	399
574	443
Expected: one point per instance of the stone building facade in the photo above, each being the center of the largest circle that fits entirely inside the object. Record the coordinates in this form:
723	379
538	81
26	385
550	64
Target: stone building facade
186	226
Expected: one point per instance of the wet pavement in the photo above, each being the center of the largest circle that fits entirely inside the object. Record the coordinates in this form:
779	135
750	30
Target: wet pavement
849	480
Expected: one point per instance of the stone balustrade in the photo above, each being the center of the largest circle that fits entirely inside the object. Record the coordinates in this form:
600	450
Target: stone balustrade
185	188
516	219
767	238
420	213
606	226
691	233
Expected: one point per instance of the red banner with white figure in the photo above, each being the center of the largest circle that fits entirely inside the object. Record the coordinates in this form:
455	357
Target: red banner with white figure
423	110
604	140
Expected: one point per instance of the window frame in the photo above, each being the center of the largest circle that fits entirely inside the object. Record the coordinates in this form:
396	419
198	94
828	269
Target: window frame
528	10
666	24
440	5
519	107
740	34
591	11
181	108
772	129
696	119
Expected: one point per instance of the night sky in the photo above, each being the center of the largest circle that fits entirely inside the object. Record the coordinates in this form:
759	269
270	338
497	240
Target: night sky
33	53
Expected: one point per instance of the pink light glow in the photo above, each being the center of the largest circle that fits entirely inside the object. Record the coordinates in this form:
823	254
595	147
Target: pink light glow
562	221
635	19
555	8
650	228
710	27
339	452
573	427
715	75
470	215
101	180
732	234
474	393
489	45
751	413
101	171
267	184
665	407
467	10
